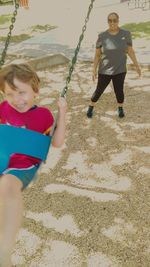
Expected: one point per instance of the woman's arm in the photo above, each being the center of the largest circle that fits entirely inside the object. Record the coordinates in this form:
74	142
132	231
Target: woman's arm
132	56
59	133
97	58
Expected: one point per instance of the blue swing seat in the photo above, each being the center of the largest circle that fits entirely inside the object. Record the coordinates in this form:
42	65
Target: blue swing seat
23	141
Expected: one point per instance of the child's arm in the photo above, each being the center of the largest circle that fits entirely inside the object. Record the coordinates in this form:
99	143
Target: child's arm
59	134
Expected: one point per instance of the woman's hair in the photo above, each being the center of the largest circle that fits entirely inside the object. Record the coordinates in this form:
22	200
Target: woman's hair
22	72
113	13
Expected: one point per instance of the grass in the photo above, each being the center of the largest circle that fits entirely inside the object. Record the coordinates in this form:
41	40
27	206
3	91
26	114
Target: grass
141	29
5	19
7	2
43	28
16	38
22	37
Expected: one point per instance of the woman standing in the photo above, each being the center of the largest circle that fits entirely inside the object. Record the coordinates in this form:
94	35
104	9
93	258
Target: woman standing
112	48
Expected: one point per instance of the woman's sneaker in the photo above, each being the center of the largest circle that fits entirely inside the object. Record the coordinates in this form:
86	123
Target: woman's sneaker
121	112
90	112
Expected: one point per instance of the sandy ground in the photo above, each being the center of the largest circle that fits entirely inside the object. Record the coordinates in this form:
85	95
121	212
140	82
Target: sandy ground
90	204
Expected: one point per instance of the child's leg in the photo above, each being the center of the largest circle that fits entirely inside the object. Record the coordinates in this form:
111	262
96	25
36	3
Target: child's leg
11	209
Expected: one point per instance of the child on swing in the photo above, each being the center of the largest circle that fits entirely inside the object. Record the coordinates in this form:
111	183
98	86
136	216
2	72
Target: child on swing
20	85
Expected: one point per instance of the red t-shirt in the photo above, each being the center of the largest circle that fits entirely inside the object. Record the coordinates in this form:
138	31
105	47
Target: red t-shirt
38	119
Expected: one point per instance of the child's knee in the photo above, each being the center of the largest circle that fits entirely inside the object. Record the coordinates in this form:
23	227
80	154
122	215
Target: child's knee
10	186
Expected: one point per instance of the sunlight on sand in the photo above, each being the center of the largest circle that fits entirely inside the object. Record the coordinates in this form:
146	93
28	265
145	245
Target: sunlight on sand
46	101
148	247
27	243
111	113
94	196
58	253
115	126
101	260
144	170
145	149
45	90
137	126
65	223
104	177
143	89
53	158
116	184
75	87
120	231
92	141
77	160
139	82
121	158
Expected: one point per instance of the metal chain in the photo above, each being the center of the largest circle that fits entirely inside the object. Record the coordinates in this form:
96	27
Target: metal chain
74	59
13	19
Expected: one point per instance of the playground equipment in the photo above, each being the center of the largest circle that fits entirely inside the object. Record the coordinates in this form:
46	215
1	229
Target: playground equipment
139	4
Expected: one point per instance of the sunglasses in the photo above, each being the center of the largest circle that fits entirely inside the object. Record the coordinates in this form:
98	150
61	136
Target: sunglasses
112	20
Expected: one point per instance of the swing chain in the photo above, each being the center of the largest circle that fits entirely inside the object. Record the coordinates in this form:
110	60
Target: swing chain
74	59
13	19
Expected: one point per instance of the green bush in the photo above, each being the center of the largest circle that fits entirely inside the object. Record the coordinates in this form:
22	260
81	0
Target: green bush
138	29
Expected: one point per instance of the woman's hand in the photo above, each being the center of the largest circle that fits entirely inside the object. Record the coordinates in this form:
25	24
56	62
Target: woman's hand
132	55
94	75
138	70
97	58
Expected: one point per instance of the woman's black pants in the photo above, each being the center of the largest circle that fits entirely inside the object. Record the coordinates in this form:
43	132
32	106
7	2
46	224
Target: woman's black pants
118	84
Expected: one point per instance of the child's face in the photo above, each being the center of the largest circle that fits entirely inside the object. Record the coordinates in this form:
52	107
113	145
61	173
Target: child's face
22	98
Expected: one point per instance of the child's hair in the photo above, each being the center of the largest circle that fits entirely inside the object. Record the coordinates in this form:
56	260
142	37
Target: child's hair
22	72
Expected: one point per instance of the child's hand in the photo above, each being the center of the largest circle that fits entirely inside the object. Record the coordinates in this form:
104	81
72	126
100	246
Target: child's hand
62	105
